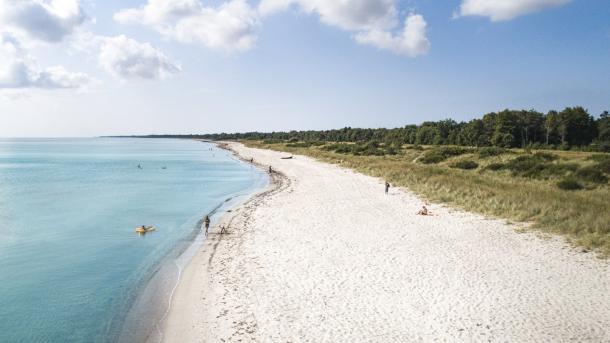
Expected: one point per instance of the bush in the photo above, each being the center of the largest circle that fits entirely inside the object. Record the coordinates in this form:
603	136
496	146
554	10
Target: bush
491	151
524	164
495	166
368	149
304	144
604	166
560	169
341	148
440	154
569	185
546	156
599	157
272	141
464	165
591	174
431	157
600	146
537	166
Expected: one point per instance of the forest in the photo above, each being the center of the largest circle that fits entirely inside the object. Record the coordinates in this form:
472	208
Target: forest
573	128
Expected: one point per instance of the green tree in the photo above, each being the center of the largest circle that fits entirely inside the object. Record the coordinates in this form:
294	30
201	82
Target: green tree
576	127
551	123
603	127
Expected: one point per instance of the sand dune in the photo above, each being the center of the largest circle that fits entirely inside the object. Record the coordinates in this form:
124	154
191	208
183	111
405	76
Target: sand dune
325	256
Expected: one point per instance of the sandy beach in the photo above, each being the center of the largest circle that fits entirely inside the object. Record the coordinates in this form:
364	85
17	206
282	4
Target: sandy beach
323	255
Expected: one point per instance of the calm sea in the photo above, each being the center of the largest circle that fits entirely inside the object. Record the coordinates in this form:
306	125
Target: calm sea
71	265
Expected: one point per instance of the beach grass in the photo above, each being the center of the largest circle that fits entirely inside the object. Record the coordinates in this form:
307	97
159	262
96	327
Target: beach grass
560	192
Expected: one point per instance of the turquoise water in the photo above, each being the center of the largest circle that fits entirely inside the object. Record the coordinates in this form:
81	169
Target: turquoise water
70	261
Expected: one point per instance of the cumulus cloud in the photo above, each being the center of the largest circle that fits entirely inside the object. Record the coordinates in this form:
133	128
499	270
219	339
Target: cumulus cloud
19	70
44	20
501	10
230	26
127	58
412	41
374	22
348	15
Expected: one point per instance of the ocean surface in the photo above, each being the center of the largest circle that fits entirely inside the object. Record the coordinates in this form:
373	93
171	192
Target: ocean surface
71	265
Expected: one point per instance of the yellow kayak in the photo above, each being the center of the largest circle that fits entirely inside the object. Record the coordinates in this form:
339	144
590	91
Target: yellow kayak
145	229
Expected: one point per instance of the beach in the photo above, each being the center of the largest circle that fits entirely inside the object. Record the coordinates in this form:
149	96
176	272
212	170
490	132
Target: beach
323	255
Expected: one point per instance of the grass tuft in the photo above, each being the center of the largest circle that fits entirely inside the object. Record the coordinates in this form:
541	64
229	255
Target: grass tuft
569	185
467	165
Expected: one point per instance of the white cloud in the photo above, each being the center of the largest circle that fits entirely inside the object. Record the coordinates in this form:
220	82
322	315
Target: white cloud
44	20
126	58
501	10
347	14
412	41
230	26
19	70
375	22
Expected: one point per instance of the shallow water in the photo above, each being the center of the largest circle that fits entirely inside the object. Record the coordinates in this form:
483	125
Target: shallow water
70	261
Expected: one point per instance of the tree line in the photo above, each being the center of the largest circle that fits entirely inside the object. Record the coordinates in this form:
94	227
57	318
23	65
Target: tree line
571	128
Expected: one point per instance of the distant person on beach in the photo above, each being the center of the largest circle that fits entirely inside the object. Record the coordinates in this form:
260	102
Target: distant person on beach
206	223
387	187
424	211
252	160
270	170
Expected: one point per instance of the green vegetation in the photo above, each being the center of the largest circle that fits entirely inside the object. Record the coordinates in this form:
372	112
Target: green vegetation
491	151
441	154
371	148
573	128
467	165
559	192
569	184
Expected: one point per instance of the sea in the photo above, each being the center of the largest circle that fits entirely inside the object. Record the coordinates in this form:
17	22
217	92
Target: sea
72	267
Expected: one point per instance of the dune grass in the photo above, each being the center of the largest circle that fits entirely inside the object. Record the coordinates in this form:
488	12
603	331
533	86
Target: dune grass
516	185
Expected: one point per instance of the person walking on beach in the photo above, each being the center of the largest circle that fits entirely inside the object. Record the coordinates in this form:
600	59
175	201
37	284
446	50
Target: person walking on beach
206	223
387	187
270	170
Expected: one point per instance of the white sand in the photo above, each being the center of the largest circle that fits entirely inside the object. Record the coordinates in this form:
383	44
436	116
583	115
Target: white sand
328	257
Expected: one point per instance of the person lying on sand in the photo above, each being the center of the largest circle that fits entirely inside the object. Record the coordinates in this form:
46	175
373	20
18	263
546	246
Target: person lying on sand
424	212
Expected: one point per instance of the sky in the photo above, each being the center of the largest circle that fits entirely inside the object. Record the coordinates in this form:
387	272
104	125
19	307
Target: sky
84	68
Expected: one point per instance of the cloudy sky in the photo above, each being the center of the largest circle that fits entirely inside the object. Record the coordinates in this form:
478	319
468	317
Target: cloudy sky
93	67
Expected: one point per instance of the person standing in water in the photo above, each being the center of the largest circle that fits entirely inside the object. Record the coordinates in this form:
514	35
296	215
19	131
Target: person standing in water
387	187
206	223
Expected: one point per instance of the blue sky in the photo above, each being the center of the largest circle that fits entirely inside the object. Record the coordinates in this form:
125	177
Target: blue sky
86	68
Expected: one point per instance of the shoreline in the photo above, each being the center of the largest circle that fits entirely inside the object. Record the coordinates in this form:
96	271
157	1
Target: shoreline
325	256
207	248
155	299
